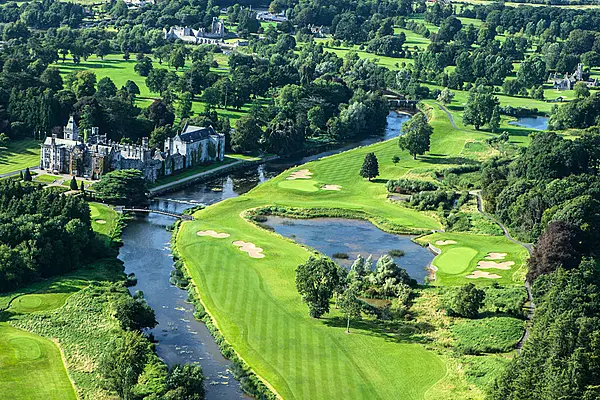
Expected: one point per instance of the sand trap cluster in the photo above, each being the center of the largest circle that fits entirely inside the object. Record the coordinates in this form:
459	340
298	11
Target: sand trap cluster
495	256
100	221
482	274
496	265
302	174
445	242
331	187
211	233
250	248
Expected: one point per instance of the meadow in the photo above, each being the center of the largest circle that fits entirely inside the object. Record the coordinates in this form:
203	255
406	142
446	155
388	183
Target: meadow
255	303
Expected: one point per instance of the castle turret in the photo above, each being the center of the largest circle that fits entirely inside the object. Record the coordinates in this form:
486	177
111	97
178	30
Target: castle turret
71	132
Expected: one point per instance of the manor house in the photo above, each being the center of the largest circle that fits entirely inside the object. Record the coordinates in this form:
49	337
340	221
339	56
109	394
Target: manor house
568	81
98	155
200	36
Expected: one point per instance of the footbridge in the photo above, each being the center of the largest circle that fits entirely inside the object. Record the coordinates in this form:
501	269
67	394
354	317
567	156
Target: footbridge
184	217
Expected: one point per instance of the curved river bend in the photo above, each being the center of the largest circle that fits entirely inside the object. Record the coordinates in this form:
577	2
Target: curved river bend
146	252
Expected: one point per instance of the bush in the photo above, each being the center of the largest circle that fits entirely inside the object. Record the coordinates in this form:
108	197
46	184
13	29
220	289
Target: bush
433	200
408	186
465	301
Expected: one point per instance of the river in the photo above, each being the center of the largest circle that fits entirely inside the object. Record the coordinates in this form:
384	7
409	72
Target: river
146	252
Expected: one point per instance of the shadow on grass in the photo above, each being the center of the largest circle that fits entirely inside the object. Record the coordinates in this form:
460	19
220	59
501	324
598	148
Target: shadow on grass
391	331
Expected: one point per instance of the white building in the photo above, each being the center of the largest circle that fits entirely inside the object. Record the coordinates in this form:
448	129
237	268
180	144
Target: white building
197	145
198	36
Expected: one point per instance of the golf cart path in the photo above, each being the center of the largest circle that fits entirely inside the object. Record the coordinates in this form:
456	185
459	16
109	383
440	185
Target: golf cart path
449	114
529	248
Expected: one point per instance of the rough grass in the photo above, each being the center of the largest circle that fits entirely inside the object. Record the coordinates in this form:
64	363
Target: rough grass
31	367
18	155
453	265
488	335
257	307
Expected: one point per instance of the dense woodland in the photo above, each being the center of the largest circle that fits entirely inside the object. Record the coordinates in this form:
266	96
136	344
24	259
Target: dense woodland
42	233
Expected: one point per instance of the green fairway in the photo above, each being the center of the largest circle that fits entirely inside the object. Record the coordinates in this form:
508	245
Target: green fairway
18	155
103	218
32	367
460	259
255	302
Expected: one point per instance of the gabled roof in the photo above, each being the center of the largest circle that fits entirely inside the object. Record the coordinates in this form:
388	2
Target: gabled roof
191	133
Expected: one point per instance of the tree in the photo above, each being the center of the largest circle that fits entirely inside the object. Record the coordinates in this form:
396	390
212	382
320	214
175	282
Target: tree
106	88
495	120
122	187
370	167
395	160
73	184
84	83
466	302
132	88
350	305
123	361
445	96
416	137
559	246
143	66
27	176
185	382
479	108
135	314
246	136
177	59
160	114
316	281
51	78
185	105
581	89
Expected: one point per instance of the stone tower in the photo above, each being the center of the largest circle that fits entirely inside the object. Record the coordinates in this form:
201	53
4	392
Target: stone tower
71	132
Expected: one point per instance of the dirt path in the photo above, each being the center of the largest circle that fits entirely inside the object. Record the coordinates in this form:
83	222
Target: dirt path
529	248
449	114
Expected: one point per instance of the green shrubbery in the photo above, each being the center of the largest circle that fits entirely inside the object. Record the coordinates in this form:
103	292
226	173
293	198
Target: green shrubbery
432	200
409	186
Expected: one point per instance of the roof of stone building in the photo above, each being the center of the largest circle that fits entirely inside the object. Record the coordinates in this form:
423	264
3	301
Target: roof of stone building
193	133
60	142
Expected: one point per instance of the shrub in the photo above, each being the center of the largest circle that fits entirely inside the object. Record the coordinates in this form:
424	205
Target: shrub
433	200
408	186
465	301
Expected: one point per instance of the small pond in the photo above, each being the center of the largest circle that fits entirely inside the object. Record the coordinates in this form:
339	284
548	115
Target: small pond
354	237
539	123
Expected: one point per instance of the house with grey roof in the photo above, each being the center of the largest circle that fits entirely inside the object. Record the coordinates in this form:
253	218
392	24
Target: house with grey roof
197	145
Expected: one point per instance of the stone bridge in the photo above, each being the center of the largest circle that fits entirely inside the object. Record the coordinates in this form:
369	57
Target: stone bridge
184	217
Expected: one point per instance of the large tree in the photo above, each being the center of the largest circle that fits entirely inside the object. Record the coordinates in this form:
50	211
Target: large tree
370	167
416	137
316	281
123	187
247	134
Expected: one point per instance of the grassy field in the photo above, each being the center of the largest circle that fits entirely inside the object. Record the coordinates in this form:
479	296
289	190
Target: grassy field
31	367
192	171
103	218
460	259
18	155
255	302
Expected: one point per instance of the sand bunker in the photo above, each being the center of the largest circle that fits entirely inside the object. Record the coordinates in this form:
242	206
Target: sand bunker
495	256
331	187
302	174
482	274
250	248
100	221
445	242
211	233
496	265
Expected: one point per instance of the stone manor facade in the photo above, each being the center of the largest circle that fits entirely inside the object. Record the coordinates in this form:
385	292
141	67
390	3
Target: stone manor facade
98	155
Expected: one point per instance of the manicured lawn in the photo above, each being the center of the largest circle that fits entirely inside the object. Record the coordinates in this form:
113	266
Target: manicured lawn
460	259
30	364
255	302
18	155
103	218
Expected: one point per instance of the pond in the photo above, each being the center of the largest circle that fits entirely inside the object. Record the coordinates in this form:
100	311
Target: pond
539	123
353	237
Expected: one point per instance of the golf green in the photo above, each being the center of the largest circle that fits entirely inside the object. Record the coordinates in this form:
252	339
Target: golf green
299	184
455	260
30	365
